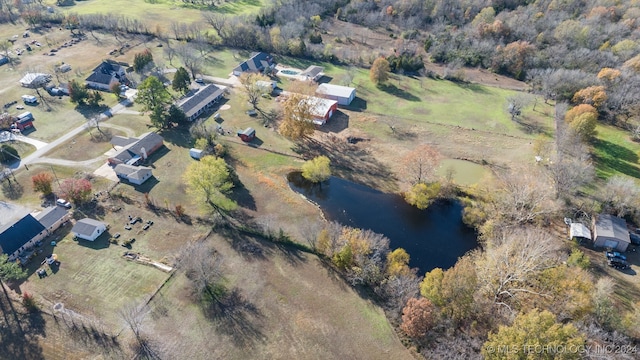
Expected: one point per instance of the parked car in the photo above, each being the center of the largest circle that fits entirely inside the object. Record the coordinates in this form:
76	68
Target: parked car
617	263
615	254
635	239
63	202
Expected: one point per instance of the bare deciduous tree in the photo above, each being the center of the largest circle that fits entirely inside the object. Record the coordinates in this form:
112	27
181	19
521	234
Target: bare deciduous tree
511	263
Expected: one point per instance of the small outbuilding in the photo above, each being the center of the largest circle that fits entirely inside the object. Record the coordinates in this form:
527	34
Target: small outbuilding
344	95
196	153
579	232
34	80
247	134
88	229
610	232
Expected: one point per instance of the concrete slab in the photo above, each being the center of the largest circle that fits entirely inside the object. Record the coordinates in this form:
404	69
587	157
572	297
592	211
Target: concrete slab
107	172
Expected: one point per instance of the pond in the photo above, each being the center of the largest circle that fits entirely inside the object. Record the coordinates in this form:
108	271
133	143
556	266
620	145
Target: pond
435	237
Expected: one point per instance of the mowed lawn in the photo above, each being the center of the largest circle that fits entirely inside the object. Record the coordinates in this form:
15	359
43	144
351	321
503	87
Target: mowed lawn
94	278
424	101
615	153
160	12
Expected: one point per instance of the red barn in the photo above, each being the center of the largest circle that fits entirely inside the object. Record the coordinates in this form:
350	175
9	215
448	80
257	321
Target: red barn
321	109
247	134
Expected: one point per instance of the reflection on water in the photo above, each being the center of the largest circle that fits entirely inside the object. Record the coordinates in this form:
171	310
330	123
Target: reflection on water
434	237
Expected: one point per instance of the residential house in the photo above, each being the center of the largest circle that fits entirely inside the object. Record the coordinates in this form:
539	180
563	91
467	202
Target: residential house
133	174
247	134
88	229
313	72
610	232
134	150
256	63
21	235
106	74
321	109
34	80
344	95
199	102
53	217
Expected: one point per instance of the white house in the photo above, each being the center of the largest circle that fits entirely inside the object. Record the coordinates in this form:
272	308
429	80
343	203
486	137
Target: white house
133	174
344	95
88	229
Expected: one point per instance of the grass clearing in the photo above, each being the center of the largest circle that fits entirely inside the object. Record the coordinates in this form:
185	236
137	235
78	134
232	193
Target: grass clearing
85	146
615	153
160	13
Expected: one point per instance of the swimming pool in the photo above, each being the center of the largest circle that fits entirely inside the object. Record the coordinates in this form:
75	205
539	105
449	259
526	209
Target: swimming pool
289	72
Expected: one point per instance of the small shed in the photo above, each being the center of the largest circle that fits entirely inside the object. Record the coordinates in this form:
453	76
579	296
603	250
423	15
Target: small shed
579	231
25	116
196	153
267	85
88	229
610	232
247	134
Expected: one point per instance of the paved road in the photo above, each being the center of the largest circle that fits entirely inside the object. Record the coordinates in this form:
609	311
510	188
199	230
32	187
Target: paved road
36	155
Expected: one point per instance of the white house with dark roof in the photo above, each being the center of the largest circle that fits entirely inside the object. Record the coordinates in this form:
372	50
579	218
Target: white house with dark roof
88	229
256	63
133	174
344	95
106	74
134	150
202	100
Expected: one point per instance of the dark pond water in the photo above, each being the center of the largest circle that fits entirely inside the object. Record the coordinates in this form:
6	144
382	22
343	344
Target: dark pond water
435	237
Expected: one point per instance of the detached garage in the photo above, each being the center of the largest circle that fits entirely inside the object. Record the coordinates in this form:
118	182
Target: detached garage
611	232
344	95
88	229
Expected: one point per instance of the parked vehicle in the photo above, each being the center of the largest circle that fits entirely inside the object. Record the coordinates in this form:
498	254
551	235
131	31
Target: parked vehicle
635	239
617	263
64	203
615	254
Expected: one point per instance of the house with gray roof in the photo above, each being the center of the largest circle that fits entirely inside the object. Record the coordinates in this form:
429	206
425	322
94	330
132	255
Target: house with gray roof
106	74
610	232
88	229
199	102
133	174
135	150
21	235
53	217
256	63
313	72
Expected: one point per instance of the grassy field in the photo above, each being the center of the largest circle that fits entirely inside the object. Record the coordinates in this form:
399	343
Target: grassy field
21	190
615	153
86	145
93	278
291	306
160	12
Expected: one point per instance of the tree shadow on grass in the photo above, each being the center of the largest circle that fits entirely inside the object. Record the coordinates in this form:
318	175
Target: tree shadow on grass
395	91
91	111
18	342
12	190
237	318
613	158
349	161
